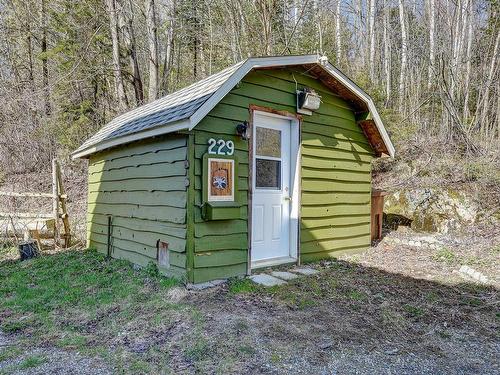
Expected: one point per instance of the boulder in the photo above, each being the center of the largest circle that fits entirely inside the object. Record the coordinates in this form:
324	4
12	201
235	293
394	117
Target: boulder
432	210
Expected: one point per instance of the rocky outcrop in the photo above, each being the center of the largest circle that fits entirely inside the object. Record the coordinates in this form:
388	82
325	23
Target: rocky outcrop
431	210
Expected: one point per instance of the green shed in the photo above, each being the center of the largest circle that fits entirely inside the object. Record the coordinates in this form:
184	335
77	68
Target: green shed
267	162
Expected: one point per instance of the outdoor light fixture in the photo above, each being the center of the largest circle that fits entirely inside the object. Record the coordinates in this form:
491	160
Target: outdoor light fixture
242	130
307	101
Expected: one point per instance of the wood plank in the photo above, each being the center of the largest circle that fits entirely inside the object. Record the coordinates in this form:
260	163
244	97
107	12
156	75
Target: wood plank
324	141
226	242
145	171
133	249
150	158
199	219
333	153
335	175
220	258
334	232
174	183
163	213
348	250
315	188
332	164
153	198
170	141
142	238
166	228
334	210
322	198
37	195
213	273
218	228
335	244
311	223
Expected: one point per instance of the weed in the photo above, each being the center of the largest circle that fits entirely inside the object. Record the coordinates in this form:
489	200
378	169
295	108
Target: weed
9	353
356	295
239	286
72	342
32	361
445	255
246	349
199	350
414	311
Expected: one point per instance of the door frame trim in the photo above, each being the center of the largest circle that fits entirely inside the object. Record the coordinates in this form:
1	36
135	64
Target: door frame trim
294	232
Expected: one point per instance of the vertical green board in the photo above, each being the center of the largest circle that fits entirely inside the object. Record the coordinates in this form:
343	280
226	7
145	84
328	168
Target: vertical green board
142	186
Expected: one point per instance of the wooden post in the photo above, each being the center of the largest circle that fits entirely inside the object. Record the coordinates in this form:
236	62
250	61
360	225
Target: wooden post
64	213
55	202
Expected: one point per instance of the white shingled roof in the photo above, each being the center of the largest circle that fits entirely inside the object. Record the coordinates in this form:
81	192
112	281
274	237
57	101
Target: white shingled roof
184	109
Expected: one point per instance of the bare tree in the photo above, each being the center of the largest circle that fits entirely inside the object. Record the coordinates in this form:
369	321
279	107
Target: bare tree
404	53
117	70
153	49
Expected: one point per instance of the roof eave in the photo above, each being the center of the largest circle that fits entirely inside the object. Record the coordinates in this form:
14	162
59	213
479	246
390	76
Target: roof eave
156	131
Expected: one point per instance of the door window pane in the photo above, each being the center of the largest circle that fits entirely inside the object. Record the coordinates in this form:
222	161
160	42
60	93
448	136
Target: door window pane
268	142
268	174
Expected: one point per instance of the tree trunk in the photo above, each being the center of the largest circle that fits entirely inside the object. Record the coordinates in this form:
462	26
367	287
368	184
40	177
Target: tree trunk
169	50
126	24
486	96
387	55
338	34
153	49
372	39
404	54
117	71
468	66
45	64
432	53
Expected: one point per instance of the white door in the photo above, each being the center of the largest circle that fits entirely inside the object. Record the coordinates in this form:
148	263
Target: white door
271	188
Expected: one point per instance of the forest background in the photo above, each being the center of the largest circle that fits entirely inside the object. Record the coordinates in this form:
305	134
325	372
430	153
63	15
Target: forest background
67	67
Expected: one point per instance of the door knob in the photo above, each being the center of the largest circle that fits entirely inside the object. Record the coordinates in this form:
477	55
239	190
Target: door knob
288	199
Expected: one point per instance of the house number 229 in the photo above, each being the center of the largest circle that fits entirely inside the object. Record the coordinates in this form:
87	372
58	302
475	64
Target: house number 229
220	147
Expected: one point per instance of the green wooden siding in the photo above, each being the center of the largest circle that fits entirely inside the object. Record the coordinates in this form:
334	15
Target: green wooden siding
335	175
143	187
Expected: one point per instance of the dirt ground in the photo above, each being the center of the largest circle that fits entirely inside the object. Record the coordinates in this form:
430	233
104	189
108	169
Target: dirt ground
402	307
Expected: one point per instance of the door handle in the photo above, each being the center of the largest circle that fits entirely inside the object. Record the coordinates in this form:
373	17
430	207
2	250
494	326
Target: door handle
288	199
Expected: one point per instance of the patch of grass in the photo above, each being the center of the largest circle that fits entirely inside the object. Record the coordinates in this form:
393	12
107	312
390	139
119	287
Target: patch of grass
239	286
445	255
9	353
414	311
32	361
75	297
356	295
247	350
73	342
199	350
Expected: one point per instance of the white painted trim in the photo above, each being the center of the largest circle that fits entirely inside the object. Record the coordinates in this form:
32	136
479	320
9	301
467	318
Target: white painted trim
159	130
272	262
294	189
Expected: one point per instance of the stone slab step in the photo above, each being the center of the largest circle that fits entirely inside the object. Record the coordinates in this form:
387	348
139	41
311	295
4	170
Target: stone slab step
305	271
284	275
266	280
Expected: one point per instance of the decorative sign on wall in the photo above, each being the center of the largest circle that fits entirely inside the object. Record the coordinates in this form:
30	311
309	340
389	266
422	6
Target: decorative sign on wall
220	180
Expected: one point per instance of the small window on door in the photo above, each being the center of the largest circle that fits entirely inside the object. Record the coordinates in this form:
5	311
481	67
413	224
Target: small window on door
268	158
